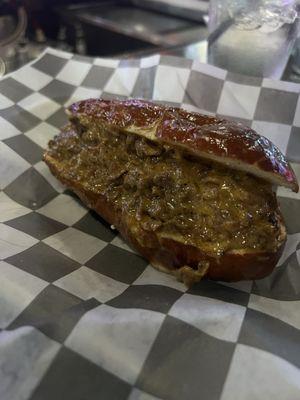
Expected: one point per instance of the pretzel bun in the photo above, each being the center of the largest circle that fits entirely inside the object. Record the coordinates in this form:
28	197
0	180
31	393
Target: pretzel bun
91	157
216	139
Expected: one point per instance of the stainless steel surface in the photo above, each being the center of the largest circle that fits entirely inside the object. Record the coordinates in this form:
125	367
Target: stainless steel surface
194	51
198	51
194	10
12	29
136	19
296	58
149	26
2	67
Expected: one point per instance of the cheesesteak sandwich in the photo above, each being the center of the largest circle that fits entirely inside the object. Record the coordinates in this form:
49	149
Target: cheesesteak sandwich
192	193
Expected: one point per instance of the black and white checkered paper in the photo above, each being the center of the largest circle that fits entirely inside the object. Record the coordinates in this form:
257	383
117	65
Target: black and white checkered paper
82	316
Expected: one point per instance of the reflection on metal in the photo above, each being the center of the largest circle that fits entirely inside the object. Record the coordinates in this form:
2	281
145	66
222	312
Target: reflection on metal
12	37
2	67
125	27
11	33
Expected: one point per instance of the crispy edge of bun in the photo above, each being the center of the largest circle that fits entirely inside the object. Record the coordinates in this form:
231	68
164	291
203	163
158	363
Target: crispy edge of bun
216	139
185	262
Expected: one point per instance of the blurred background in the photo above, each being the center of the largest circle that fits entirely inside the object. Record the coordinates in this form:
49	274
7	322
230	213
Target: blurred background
130	28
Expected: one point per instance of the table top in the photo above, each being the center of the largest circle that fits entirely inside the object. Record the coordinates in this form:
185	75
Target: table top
196	50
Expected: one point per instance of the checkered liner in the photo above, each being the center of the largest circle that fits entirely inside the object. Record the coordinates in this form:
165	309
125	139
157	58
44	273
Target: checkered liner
84	317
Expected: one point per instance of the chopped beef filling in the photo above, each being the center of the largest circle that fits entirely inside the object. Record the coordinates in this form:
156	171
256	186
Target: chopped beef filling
207	205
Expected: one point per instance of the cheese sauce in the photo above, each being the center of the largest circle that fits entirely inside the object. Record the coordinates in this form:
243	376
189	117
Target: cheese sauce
214	208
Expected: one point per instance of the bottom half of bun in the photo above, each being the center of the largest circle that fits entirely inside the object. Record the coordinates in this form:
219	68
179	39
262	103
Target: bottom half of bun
170	254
